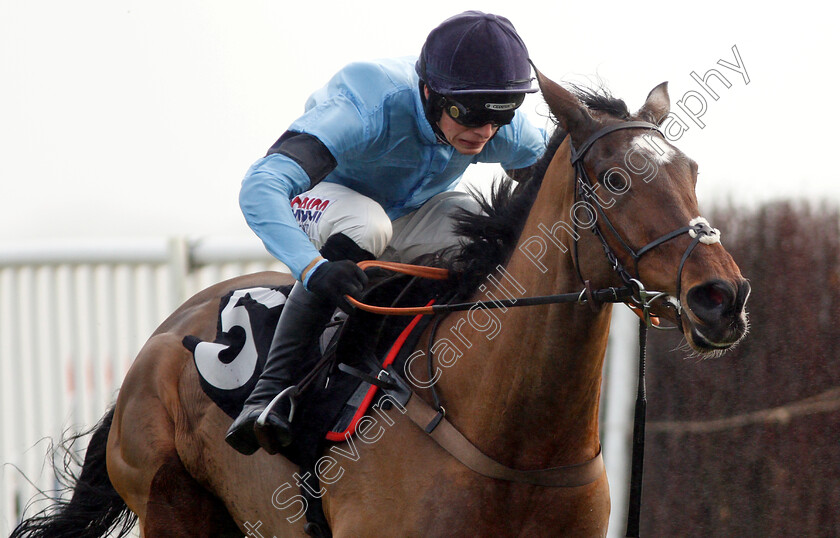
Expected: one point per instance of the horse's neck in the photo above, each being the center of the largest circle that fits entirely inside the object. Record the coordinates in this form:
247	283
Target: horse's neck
527	389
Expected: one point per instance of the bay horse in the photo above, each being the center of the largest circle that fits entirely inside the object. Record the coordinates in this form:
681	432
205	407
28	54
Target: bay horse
521	384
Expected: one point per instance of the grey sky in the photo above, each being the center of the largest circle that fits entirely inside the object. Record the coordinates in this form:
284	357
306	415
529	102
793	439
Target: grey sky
128	118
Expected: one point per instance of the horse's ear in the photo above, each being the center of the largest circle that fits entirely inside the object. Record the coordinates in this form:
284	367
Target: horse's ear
569	111
657	105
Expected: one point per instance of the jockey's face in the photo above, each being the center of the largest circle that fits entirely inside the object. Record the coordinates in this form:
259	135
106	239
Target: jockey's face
466	140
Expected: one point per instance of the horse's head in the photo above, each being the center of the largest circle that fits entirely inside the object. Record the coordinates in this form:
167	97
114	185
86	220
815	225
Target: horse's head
636	192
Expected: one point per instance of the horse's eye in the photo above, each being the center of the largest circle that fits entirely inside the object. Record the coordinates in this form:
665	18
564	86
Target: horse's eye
616	180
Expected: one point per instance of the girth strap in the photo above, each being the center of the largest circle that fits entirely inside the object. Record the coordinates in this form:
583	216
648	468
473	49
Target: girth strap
458	446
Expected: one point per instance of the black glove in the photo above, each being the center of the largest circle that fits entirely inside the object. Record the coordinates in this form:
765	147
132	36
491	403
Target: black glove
333	280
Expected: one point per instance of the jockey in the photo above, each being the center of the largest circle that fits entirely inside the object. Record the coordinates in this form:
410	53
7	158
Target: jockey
369	169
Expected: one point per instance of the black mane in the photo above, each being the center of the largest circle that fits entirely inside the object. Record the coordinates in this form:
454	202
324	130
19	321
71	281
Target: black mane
491	236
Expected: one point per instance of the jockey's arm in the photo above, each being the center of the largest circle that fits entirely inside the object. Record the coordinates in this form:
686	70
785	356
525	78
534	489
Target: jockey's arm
532	140
293	165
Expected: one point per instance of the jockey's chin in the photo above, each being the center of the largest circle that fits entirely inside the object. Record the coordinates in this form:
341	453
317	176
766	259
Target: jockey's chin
466	140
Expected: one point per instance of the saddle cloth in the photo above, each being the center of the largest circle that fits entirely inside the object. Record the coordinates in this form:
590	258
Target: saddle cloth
332	405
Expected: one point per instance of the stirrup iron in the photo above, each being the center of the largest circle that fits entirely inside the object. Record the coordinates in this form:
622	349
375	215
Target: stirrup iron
289	392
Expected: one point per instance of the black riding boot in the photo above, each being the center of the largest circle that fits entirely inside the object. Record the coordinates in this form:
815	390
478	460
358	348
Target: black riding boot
301	321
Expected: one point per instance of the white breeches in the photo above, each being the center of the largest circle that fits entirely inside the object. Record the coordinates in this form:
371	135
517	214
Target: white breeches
329	209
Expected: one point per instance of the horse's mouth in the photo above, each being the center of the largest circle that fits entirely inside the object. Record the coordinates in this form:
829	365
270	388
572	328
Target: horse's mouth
704	338
714	340
701	343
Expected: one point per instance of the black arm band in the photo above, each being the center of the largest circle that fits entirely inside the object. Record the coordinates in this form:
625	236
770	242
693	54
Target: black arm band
309	152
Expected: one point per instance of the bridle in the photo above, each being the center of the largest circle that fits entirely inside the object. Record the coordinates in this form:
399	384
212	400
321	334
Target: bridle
430	417
700	231
698	228
633	291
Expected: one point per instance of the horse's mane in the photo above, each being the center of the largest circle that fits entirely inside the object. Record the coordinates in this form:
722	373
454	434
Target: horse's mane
490	237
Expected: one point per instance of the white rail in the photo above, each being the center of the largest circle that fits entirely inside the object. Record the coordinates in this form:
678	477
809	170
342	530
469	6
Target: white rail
72	317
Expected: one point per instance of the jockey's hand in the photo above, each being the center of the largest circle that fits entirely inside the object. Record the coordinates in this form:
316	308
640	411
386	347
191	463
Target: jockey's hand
334	280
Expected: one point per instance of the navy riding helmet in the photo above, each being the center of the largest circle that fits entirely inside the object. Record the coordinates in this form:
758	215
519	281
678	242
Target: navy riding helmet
477	70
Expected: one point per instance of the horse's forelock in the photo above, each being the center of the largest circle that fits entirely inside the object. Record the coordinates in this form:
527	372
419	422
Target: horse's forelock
600	99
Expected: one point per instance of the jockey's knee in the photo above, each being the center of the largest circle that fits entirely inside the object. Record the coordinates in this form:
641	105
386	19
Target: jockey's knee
430	228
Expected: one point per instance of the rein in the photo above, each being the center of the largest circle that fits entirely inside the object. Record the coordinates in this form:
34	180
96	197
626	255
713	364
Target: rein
585	296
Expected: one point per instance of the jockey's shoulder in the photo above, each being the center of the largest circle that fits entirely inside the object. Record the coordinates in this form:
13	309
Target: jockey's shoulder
378	77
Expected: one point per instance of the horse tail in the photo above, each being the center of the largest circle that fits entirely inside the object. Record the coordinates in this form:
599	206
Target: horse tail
94	509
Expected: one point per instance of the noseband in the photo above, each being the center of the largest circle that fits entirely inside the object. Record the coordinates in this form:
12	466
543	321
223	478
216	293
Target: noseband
698	229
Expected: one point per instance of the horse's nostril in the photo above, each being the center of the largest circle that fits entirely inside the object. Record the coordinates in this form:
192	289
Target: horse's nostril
715	296
711	299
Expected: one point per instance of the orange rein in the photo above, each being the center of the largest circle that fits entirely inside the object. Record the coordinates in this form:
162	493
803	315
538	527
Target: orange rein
433	273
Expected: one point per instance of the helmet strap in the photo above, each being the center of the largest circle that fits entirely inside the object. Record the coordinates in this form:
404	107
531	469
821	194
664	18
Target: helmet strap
433	108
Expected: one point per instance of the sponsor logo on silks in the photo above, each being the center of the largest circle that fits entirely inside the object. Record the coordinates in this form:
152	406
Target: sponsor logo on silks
500	106
308	211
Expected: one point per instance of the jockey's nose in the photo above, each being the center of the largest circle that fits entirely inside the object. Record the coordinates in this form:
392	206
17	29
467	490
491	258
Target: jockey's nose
486	130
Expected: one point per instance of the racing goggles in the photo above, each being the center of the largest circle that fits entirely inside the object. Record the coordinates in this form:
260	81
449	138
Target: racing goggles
478	111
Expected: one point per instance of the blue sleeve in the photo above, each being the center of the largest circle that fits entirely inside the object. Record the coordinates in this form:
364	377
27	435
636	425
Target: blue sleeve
527	144
264	198
346	116
340	121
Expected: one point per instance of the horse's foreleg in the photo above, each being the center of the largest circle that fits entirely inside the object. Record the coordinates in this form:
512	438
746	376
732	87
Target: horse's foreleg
143	463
